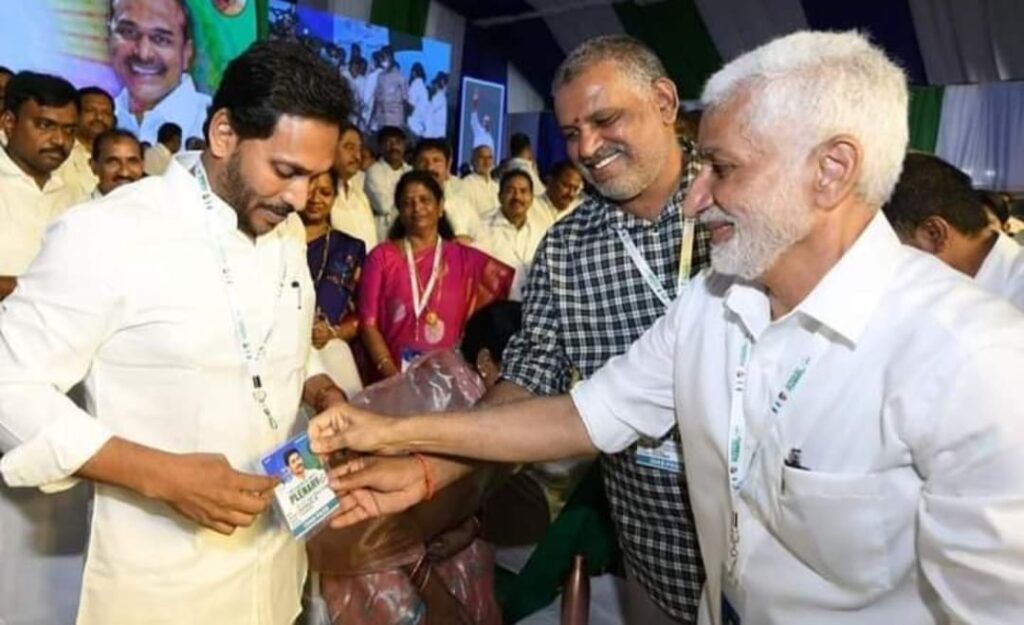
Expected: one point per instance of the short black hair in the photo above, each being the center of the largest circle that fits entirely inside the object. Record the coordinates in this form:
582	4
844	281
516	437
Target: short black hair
43	89
85	92
561	167
108	136
182	4
929	186
492	326
288	453
440	145
390	132
444	227
279	77
514	173
519	142
168	131
6	70
348	126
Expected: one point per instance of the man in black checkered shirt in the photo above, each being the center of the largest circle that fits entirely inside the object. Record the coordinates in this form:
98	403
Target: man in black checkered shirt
601	278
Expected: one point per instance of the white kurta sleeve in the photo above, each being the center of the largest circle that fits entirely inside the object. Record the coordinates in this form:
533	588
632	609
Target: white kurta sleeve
632	396
50	328
970	451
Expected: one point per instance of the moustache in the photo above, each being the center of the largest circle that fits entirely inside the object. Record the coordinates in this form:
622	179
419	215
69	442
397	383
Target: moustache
57	151
155	66
713	214
283	209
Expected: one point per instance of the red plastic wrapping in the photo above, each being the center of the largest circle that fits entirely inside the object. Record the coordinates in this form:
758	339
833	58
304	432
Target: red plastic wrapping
424	565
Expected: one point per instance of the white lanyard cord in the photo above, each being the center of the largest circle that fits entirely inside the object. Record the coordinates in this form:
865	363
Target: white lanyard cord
685	261
419	302
253	357
738	468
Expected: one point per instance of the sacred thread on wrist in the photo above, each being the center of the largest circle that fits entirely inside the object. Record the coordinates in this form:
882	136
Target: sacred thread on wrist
428	476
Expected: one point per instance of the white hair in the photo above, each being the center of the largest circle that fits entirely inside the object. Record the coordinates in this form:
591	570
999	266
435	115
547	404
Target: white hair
812	86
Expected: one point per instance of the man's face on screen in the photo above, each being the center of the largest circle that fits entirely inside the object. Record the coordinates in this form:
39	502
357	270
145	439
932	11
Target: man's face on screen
149	49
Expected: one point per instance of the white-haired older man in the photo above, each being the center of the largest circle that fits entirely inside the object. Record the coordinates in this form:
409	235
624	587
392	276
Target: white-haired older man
853	442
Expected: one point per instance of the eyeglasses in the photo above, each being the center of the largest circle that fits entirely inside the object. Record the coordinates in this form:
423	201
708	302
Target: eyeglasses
159	37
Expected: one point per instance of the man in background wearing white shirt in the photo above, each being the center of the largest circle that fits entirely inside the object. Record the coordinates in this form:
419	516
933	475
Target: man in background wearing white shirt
42	539
40	119
151	48
521	157
435	156
382	177
935	209
95	116
351	211
853	444
563	194
188	314
158	156
479	189
116	161
514	231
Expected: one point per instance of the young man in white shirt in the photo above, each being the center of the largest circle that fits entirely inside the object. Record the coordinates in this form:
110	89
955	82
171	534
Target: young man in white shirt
95	116
382	177
351	212
935	209
435	156
157	87
40	119
188	314
478	187
852	441
514	232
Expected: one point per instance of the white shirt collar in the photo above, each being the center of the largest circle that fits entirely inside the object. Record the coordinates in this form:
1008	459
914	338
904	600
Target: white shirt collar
845	298
181	96
10	169
179	173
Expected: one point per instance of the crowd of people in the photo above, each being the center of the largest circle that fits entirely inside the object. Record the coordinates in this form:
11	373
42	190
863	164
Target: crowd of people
798	417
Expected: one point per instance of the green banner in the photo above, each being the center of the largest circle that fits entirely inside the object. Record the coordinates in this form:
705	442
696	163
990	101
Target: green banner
925	113
685	47
407	16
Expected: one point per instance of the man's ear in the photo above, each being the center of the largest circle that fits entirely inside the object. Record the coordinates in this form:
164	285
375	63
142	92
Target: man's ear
666	97
221	139
7	120
838	162
932	235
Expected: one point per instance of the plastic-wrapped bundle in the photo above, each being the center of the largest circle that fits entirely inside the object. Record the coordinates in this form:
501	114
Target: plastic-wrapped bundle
424	565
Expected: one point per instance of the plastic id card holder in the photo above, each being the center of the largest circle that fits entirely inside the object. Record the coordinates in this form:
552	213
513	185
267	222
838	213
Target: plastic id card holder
303	498
733	601
407	354
665	456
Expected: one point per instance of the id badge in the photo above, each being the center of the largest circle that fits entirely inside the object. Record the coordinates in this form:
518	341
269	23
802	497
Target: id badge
304	498
733	601
665	456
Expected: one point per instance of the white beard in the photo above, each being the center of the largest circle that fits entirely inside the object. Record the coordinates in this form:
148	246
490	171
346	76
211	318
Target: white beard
761	237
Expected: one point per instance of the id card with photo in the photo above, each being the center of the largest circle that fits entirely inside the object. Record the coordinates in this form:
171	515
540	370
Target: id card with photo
304	498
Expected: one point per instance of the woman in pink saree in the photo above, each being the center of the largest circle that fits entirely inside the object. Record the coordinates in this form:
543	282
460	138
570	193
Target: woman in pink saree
420	287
